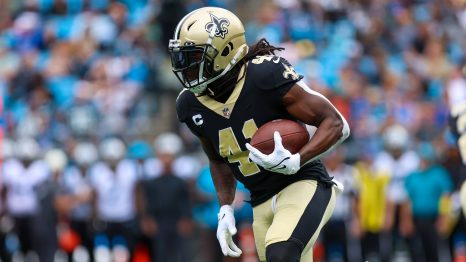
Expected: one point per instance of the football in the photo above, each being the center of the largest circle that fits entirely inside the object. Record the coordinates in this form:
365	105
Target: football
294	136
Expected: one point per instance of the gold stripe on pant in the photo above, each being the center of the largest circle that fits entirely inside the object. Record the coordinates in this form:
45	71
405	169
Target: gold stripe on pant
276	219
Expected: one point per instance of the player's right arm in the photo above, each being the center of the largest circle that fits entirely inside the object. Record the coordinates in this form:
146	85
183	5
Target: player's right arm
224	181
225	186
222	176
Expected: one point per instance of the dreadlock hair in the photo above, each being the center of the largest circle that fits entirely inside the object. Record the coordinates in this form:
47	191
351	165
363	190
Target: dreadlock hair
226	84
262	47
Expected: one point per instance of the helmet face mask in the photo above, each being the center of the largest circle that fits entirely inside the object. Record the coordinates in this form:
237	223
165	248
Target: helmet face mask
207	43
193	65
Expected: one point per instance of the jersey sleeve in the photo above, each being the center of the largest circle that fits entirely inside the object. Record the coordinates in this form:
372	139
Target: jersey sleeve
181	106
273	73
182	111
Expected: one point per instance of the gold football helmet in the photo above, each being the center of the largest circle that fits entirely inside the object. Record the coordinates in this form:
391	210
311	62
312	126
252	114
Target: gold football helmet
207	43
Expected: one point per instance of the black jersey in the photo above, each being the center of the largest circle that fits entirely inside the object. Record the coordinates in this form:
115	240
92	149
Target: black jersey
256	100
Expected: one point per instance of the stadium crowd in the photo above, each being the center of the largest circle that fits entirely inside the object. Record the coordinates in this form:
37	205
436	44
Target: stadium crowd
95	165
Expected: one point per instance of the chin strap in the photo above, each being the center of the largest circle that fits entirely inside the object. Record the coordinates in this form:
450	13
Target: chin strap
197	89
226	85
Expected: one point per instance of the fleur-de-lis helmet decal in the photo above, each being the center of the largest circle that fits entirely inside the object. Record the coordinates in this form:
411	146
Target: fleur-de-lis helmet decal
220	26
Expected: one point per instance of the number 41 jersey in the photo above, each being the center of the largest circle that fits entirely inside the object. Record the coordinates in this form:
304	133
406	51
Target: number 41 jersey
256	100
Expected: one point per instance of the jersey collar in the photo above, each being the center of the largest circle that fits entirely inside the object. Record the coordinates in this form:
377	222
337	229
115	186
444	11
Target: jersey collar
224	109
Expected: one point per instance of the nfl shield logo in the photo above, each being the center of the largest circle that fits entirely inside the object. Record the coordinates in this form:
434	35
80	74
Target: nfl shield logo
226	112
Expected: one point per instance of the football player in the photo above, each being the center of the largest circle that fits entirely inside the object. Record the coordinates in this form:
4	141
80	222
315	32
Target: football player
231	89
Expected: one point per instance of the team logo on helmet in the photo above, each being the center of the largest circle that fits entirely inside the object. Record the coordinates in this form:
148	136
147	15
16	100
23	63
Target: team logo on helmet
220	26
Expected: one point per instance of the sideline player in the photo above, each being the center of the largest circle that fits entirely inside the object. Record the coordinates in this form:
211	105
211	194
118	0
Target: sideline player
231	90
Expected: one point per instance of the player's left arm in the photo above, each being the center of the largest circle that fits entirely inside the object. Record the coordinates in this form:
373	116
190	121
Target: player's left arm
306	105
314	109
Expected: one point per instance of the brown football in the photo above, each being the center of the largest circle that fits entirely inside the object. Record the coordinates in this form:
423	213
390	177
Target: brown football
294	136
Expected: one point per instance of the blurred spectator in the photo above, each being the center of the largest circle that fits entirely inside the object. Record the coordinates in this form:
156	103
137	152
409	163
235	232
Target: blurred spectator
187	167
370	213
335	236
114	180
26	33
6	153
166	211
9	61
22	177
75	194
426	187
47	217
139	151
397	162
7	149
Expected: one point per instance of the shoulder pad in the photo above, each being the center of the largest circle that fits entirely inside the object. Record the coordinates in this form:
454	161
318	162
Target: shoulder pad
271	72
182	104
